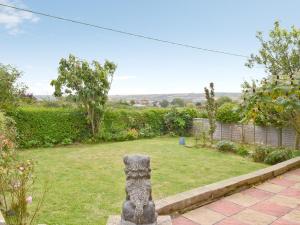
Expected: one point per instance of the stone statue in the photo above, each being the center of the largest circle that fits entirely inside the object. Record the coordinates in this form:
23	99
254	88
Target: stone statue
138	208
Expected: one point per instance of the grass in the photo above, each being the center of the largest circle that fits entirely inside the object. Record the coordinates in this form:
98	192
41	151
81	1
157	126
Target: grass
86	182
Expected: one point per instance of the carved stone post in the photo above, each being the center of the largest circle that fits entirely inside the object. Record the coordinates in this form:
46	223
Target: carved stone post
138	208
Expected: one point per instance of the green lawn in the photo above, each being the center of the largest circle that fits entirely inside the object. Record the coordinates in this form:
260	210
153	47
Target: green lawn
87	181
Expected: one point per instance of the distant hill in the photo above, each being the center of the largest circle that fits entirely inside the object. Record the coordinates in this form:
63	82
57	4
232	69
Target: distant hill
189	97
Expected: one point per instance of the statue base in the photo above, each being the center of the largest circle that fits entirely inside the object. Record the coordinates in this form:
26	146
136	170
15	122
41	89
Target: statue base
116	220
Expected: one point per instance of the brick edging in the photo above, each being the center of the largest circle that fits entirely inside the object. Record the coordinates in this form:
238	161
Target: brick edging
194	198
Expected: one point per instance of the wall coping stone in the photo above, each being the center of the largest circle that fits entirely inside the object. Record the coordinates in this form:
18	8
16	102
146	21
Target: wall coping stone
197	197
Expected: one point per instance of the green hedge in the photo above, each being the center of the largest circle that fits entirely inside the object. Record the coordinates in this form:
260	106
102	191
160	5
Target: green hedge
41	126
46	126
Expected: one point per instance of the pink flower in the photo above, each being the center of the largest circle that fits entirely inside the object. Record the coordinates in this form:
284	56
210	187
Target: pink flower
29	200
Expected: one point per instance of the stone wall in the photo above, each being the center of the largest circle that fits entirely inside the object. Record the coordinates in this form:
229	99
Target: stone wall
249	133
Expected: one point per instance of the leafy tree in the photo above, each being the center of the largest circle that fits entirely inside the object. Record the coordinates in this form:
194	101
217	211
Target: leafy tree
276	99
11	90
164	103
211	109
89	83
280	54
178	102
223	99
132	102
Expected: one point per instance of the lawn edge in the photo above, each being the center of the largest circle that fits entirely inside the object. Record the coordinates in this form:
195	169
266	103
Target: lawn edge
185	201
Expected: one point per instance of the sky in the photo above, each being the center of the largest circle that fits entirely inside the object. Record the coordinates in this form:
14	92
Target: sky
35	44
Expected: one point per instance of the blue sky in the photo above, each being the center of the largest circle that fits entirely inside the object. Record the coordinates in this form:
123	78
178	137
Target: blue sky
35	44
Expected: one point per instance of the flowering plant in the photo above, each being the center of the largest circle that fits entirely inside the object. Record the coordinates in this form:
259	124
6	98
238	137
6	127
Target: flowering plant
16	179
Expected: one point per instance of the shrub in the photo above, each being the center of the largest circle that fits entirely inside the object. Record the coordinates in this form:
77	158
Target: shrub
180	122
228	113
132	134
39	126
226	146
278	155
242	151
260	153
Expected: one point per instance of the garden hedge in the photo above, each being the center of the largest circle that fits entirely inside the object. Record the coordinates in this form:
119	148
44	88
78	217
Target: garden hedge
46	126
41	126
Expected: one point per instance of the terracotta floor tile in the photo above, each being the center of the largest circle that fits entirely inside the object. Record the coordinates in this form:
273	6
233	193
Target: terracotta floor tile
270	187
243	200
284	222
294	177
204	216
231	221
285	201
291	192
293	216
257	193
224	207
297	172
182	221
254	218
282	181
297	186
272	209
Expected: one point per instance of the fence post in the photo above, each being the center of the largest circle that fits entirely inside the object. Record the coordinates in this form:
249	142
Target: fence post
266	135
254	133
280	137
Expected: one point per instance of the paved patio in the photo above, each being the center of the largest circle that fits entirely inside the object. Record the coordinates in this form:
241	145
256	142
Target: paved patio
276	202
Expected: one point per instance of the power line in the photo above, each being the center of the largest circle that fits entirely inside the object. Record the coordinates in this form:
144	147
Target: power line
125	32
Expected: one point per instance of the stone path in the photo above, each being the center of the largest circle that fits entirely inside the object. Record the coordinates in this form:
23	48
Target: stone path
275	202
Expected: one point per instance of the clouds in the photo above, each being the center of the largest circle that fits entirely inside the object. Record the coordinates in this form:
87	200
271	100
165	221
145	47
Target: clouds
12	19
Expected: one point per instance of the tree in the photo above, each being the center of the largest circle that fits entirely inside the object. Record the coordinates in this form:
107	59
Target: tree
11	89
132	102
281	53
164	103
223	99
211	109
178	102
88	83
275	100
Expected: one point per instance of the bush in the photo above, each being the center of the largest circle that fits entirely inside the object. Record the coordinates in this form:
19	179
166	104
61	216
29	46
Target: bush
242	151
39	126
228	113
7	127
180	122
226	146
278	155
260	153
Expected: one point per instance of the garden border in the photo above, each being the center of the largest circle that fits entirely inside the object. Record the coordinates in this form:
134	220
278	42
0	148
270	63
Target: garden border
197	197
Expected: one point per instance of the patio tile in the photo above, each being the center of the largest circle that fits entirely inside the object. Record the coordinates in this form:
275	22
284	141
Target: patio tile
224	207
253	217
283	181
204	216
285	201
272	209
284	222
182	221
297	186
293	216
231	221
243	200
291	192
297	172
257	193
270	187
293	177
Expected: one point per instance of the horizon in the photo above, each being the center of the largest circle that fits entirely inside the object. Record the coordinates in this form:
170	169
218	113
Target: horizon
35	44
